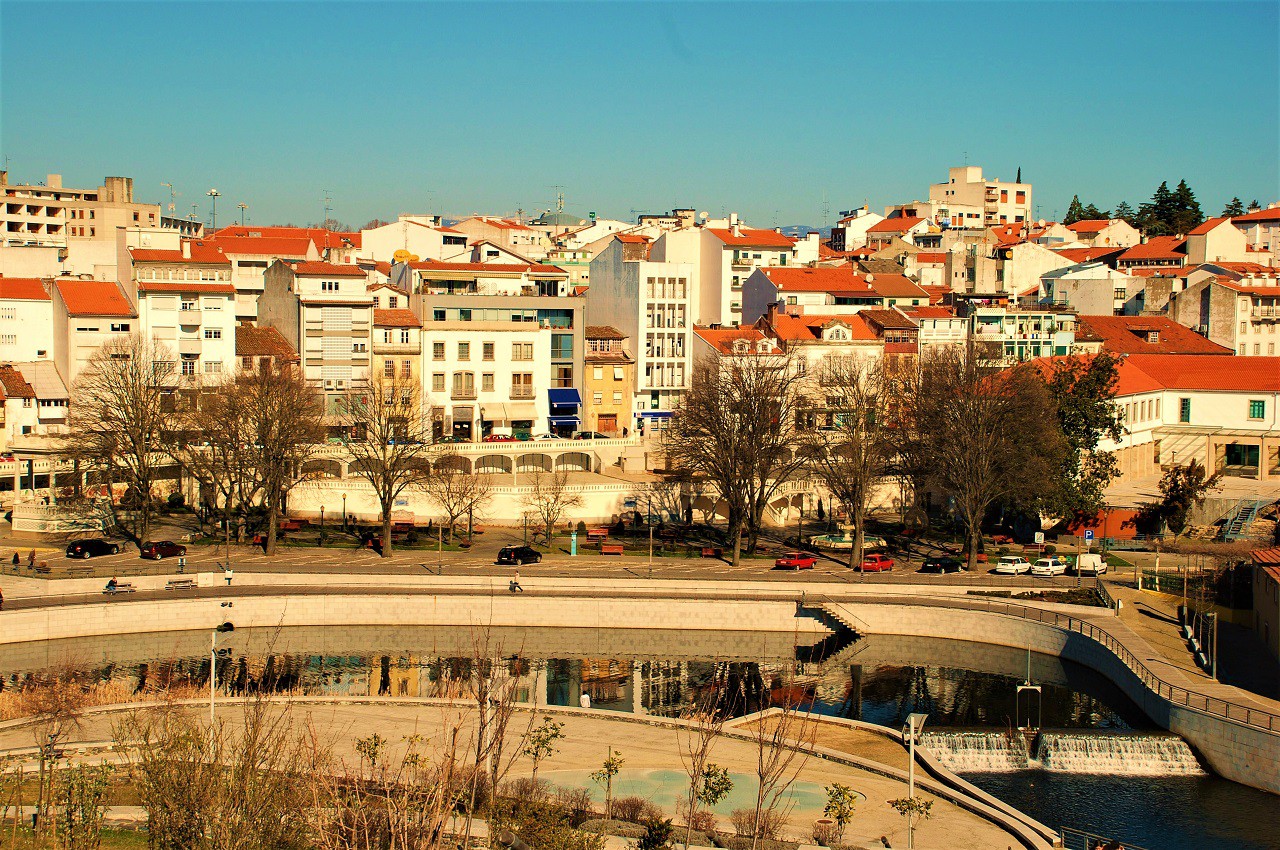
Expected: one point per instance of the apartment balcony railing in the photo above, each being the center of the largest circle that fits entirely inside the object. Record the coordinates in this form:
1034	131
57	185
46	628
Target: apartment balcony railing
463	394
396	348
190	315
189	346
1266	312
521	391
741	263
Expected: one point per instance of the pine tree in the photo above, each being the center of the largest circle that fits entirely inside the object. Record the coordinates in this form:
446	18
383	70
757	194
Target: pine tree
1091	212
1254	206
1187	214
1156	215
1075	212
1126	213
1236	207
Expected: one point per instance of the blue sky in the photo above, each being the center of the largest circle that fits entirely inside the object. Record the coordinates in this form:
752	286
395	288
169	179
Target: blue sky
760	108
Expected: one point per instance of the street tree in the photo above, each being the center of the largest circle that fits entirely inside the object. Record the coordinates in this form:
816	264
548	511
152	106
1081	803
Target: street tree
387	431
980	436
121	425
736	428
703	726
456	491
782	740
541	743
549	496
1083	390
854	456
1181	489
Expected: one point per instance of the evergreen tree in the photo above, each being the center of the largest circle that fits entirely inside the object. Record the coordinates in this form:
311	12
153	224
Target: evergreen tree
1236	207
1091	212
1254	205
1155	214
1075	212
1126	213
1186	212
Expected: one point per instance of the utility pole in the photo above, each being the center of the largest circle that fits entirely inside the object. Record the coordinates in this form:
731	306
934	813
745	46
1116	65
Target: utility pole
327	201
214	194
243	206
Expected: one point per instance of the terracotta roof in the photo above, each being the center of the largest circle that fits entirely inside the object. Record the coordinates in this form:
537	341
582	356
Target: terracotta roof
1269	556
1208	372
399	318
843	280
94	298
1272	214
322	269
936	293
202	253
930	312
1090	225
494	268
1086	255
895	225
266	246
752	237
631	238
722	339
927	257
1259	291
604	332
323	238
13	384
186	286
888	319
806	328
23	289
1208	225
1129	335
254	341
1157	248
1246	268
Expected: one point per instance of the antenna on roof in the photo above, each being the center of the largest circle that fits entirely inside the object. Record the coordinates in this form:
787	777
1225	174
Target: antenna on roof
327	201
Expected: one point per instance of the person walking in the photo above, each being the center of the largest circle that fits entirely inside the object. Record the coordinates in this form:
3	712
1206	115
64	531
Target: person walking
31	558
515	583
16	559
1	599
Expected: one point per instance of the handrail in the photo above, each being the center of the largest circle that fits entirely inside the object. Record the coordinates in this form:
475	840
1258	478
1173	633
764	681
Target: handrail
1177	694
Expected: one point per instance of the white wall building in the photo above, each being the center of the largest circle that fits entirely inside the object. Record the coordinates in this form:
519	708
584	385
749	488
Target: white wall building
26	320
423	236
196	320
975	201
87	314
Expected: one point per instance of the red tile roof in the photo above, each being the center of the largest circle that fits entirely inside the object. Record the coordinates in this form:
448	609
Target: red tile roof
1090	225
930	312
398	318
193	286
322	269
1267	556
1244	288
843	280
1257	216
895	225
254	341
13	384
266	246
1208	226
604	332
1086	255
930	257
806	328
202	253
1129	334
1246	268
1157	248
493	268
1207	373
323	238
94	298
632	238
722	339
23	289
752	237
936	293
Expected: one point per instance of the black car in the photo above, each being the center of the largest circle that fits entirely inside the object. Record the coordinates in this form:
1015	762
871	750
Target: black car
518	555
941	565
92	548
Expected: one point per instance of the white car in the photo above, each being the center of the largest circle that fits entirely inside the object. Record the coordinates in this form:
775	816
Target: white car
1049	567
1013	565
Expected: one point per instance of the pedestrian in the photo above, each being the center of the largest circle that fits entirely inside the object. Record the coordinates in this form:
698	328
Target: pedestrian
1	599
31	558
585	700
111	585
257	540
515	583
16	559
230	574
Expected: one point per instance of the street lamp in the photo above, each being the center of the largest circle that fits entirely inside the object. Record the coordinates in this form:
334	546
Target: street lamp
914	724
213	662
243	206
215	194
344	511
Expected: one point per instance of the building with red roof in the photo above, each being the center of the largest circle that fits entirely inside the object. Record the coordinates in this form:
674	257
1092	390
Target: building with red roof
1234	309
827	290
1261	229
87	314
1159	252
508	233
1266	597
1140	335
1110	233
26	319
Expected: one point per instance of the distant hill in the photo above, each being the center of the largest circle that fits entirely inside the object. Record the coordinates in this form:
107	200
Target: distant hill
801	230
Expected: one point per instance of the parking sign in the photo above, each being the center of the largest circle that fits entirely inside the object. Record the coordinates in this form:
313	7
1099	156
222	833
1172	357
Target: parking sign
1088	534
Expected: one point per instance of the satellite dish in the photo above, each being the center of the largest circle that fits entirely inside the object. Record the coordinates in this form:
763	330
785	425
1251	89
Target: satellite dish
1041	222
702	215
403	256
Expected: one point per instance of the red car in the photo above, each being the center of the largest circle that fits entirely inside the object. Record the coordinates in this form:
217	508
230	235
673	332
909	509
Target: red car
162	549
876	564
500	438
795	561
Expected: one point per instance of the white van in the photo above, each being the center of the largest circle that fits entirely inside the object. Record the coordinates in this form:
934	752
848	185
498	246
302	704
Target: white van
1091	564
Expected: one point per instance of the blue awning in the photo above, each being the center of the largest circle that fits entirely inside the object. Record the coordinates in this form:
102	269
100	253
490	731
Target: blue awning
564	397
563	420
655	414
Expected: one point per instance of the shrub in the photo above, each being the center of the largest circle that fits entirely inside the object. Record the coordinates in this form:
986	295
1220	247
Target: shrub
575	802
1050	549
526	788
635	810
702	820
176	501
582	528
411	537
1003	550
657	835
743	821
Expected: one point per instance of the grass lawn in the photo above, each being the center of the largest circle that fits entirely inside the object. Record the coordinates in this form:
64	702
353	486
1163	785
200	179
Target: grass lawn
112	839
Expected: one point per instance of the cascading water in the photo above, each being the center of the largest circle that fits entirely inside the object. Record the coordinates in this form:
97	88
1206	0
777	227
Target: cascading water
1129	755
981	752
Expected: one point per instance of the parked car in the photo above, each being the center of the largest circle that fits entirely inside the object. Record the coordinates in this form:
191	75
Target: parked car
876	564
158	549
500	438
92	548
1012	565
1049	567
795	561
1091	563
941	565
590	435
518	555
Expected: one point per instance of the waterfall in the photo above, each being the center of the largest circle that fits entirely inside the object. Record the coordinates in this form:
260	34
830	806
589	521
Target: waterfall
977	752
1134	755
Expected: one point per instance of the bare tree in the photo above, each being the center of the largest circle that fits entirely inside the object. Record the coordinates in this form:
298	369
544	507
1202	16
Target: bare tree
456	491
854	456
736	429
55	702
782	741
120	424
286	416
387	430
549	497
704	723
980	436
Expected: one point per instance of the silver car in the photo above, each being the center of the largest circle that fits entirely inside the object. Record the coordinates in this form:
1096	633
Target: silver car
1049	567
1012	565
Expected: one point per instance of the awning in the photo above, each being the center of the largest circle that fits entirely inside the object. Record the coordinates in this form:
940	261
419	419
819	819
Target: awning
563	420
494	411
655	414
521	411
564	397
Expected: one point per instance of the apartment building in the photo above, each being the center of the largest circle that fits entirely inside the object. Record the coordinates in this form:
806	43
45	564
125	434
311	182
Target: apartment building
904	228
851	230
251	255
1238	311
652	303
1105	233
1157	253
825	290
186	302
1093	288
974	201
35	401
423	237
939	327
333	246
1217	241
324	312
1010	335
50	214
608	381
1261	229
26	319
397	339
87	314
508	233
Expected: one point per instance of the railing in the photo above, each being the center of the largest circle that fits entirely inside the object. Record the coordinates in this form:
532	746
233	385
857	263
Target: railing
1176	694
519	391
1266	312
463	394
1078	839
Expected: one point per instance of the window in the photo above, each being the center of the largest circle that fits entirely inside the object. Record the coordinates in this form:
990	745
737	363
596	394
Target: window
486	351
1244	327
328	286
1257	349
598	373
561	346
376	304
437	382
437	351
212	304
464	315
486	382
388	368
597	398
392	302
213	333
120	326
1257	409
437	315
406	368
617	398
464	351
212	367
359	347
1184	410
521	351
562	376
404	337
246	363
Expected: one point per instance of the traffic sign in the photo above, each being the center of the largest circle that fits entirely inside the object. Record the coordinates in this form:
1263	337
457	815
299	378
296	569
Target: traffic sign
1088	534
1039	537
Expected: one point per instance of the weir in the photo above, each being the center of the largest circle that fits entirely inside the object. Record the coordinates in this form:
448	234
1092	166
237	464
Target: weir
1064	752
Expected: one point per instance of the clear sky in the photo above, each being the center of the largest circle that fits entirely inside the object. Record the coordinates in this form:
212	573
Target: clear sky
764	109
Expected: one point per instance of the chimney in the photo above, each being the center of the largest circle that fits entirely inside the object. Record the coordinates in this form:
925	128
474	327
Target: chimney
186	249
4	178
771	313
733	224
54	181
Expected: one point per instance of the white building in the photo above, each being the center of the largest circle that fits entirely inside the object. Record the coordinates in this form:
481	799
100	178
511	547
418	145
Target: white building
975	201
851	230
26	320
1261	229
1094	289
652	304
87	314
250	256
35	401
940	327
422	236
827	291
196	320
1105	233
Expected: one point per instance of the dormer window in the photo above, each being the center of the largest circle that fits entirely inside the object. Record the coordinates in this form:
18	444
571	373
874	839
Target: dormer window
740	346
1153	337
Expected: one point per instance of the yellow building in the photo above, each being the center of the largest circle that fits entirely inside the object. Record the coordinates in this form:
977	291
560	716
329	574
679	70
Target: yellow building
609	383
397	342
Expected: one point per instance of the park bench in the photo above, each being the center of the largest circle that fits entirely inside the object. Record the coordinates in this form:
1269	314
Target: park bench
180	584
121	587
610	548
80	571
597	535
711	552
42	569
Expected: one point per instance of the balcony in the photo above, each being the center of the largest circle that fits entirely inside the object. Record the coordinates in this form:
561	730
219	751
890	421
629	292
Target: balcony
189	346
190	315
463	394
1265	312
521	391
740	263
396	348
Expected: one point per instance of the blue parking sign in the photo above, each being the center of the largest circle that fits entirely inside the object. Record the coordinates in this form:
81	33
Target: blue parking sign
1088	534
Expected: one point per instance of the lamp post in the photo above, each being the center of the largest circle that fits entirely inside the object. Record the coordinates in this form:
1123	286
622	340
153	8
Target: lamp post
915	723
1213	670
213	663
344	511
243	206
213	221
